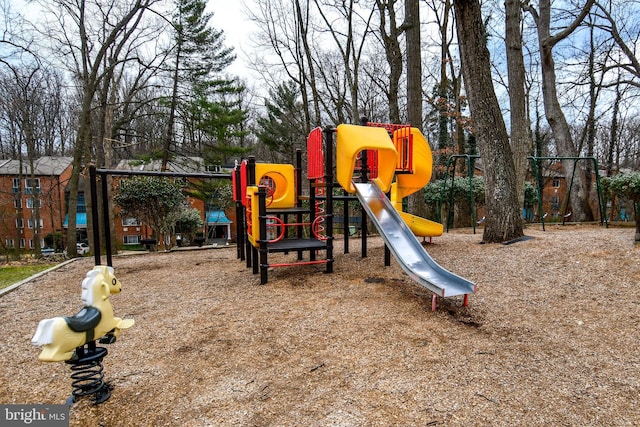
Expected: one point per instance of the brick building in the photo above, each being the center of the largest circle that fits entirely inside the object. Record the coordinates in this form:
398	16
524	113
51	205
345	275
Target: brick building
25	197
32	203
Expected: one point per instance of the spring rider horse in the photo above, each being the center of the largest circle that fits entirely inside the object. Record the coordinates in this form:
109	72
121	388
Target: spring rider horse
73	339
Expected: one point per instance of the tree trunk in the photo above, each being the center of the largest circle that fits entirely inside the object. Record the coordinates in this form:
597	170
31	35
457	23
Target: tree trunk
414	86
82	144
310	75
521	143
613	139
390	40
166	148
503	221
414	63
443	86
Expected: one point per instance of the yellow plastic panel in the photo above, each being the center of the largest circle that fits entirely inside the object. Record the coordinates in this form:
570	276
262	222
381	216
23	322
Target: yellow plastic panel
281	178
422	227
254	233
350	141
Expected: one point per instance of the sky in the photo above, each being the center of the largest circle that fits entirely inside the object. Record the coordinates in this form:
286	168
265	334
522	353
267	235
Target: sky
229	16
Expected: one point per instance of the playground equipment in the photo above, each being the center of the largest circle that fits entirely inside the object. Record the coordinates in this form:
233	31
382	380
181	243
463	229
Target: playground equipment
72	339
539	185
386	158
398	237
377	154
418	174
412	167
267	196
60	336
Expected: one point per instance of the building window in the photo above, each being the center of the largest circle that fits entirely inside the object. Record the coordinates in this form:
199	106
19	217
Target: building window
16	185
31	222
29	187
31	203
32	246
555	203
10	243
130	222
19	223
556	183
22	243
131	240
81	207
17	203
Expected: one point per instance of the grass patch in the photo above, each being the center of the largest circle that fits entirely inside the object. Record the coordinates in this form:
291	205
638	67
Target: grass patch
13	274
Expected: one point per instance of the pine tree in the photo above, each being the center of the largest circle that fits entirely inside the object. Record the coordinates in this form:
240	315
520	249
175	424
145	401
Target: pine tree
282	130
198	87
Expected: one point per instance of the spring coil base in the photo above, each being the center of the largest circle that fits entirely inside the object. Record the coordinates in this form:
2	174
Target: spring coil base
87	374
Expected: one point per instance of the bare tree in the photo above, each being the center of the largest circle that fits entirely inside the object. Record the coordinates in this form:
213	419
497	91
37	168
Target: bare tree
90	31
303	11
521	142
389	33
446	101
553	110
28	98
503	212
625	33
288	52
412	29
444	13
349	42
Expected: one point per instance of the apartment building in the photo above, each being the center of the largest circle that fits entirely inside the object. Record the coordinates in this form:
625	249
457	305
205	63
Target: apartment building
28	199
31	198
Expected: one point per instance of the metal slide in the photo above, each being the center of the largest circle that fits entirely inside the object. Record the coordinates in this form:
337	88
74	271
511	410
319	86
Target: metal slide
407	250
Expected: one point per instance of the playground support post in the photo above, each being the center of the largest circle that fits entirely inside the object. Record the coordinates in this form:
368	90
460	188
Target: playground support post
251	180
298	189
345	222
107	221
93	190
328	181
240	215
364	177
262	213
601	207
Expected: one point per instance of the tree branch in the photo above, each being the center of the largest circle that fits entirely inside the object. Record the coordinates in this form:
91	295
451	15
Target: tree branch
553	40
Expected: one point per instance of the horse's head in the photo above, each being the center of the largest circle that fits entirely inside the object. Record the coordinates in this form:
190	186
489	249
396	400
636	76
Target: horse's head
99	284
110	279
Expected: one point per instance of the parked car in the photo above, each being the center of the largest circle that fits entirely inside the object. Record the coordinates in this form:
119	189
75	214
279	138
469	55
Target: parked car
82	248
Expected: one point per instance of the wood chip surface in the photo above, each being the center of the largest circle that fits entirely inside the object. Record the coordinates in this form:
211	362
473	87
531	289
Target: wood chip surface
550	338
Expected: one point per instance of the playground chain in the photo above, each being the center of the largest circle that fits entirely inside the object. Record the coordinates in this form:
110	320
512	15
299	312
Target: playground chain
551	337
